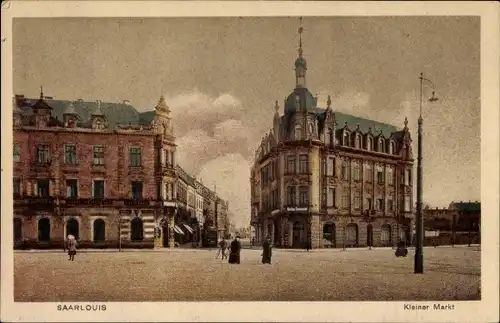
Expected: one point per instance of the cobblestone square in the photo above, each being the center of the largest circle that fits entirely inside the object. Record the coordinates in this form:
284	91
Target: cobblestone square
295	275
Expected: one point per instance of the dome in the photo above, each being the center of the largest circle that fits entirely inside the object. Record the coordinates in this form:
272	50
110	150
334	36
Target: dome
306	99
301	62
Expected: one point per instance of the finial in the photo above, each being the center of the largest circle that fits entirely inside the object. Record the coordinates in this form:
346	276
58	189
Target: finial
357	126
41	92
276	106
329	102
301	30
406	122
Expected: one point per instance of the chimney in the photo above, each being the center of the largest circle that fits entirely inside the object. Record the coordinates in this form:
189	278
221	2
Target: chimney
127	102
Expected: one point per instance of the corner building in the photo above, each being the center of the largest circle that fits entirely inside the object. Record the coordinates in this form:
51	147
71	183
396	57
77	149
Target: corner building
103	184
329	179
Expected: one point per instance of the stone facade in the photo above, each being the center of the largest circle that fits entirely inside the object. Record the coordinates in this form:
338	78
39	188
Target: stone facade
323	178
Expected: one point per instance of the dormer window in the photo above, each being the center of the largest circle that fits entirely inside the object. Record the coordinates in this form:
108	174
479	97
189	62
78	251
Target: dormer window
357	142
381	145
345	139
369	144
392	147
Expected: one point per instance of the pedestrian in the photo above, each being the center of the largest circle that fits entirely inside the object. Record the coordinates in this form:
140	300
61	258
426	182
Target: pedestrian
221	250
308	245
267	251
234	255
71	242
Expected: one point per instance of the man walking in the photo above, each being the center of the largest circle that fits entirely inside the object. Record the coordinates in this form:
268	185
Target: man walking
222	250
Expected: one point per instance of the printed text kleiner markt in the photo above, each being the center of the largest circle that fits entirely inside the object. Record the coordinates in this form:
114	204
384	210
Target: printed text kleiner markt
437	307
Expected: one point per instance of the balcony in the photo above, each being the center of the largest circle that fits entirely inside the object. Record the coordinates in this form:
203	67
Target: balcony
35	202
139	202
87	201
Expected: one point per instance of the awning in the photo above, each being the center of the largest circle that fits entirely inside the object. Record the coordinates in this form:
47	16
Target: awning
178	230
188	228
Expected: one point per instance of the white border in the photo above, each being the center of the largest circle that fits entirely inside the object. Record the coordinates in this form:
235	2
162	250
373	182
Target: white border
482	311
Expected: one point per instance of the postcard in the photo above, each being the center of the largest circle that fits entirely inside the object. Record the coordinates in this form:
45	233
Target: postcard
250	161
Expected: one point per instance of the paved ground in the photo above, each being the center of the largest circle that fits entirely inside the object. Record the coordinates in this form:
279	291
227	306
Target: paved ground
194	275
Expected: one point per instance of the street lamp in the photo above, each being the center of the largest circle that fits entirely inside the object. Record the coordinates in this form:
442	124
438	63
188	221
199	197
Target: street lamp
419	248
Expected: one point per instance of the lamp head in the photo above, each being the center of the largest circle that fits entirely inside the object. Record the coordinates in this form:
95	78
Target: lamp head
433	97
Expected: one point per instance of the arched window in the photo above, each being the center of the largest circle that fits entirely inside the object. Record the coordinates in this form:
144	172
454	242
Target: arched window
137	230
369	144
73	228
345	139
44	230
381	145
298	132
311	128
99	230
357	143
18	229
392	147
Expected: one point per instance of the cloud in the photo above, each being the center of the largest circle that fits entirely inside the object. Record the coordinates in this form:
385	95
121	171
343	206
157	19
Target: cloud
231	175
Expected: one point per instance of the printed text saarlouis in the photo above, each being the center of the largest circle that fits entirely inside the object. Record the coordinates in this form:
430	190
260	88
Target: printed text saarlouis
79	307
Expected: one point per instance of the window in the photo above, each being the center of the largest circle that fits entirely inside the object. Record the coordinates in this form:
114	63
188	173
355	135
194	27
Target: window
357	200
72	188
390	176
390	205
167	158
329	138
369	173
331	197
368	203
298	132
380	204
357	172
290	166
311	128
98	155
380	176
158	191
345	171
43	187
42	154
345	140
135	157
407	204
304	196
98	189
16	189
369	145
70	154
357	143
324	197
345	200
330	167
16	153
291	195
408	177
303	164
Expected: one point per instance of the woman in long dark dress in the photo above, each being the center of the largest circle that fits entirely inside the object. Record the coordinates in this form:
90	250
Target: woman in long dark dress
266	251
234	255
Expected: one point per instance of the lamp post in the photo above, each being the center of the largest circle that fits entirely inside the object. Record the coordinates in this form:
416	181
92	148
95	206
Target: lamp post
419	248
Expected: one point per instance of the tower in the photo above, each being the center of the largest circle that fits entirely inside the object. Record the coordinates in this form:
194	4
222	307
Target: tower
41	112
17	114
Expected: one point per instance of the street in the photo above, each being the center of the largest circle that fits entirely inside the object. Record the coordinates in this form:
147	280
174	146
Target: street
295	275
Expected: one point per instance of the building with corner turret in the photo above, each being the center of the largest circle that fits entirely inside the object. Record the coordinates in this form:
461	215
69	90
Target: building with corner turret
328	179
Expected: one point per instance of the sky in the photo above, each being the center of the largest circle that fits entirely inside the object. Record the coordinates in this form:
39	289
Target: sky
221	77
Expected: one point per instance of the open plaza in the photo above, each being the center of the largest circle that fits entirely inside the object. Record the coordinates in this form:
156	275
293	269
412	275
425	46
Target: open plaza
450	273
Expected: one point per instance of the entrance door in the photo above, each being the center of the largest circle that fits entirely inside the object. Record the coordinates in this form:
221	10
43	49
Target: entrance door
165	232
369	235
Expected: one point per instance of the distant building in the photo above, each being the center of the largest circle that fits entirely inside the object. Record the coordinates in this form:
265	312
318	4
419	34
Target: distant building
458	216
325	178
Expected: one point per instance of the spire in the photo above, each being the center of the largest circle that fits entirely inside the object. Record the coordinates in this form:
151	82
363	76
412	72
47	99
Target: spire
41	92
301	30
329	103
406	122
162	105
276	106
